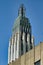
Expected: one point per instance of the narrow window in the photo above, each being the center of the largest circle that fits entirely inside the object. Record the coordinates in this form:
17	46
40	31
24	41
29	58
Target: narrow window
21	45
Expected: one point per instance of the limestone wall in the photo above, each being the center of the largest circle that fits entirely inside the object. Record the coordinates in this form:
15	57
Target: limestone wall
31	57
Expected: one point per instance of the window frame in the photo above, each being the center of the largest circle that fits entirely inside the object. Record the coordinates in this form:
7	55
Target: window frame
37	62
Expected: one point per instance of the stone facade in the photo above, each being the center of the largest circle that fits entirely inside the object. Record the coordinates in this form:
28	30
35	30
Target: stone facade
31	57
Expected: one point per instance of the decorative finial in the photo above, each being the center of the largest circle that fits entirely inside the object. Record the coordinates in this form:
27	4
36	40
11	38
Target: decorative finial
21	10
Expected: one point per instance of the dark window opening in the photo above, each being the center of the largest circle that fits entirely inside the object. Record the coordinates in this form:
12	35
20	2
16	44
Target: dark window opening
37	63
21	45
21	48
26	47
26	42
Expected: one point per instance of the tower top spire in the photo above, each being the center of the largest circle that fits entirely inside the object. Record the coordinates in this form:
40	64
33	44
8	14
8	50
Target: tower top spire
21	10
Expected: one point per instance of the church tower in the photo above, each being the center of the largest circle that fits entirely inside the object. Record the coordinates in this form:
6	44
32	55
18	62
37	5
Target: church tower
21	40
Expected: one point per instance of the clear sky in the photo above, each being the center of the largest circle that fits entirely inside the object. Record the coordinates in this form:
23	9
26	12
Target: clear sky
8	14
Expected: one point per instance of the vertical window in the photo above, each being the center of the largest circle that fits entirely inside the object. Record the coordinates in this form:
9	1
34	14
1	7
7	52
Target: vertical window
37	63
22	48
26	42
21	45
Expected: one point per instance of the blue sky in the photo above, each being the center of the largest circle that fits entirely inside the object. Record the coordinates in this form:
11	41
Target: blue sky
8	14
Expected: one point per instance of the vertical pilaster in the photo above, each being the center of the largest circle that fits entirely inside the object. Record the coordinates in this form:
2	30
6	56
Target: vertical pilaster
15	50
24	43
9	53
12	50
14	47
32	40
18	45
28	41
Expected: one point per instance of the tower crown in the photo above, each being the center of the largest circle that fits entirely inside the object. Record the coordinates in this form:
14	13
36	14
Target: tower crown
21	11
21	41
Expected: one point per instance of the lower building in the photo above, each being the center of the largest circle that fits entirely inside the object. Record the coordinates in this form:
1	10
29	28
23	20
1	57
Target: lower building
33	57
